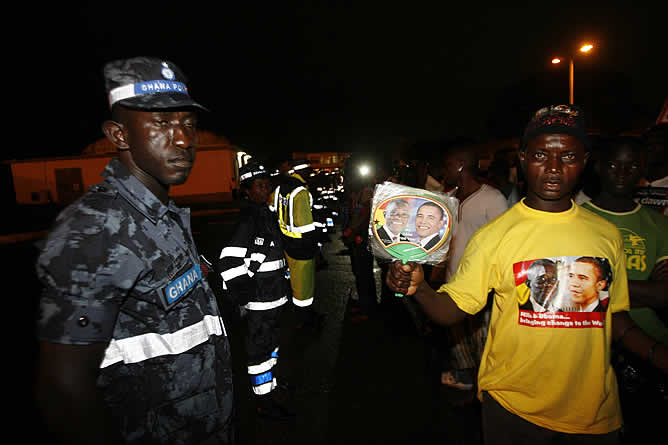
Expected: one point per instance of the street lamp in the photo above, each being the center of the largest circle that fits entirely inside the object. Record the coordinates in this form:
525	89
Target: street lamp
583	49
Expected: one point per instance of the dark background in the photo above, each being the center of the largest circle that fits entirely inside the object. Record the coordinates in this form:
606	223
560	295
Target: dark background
343	76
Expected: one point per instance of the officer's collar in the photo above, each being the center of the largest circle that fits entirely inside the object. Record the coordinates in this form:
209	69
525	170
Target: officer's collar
298	176
249	203
137	193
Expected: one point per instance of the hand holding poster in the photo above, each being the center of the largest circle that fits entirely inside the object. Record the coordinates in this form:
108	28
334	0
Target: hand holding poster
411	224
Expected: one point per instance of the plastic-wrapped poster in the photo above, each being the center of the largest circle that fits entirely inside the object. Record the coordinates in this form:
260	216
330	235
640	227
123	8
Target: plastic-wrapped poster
411	224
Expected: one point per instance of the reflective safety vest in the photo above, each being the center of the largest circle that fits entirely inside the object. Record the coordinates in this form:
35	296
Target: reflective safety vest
322	219
292	202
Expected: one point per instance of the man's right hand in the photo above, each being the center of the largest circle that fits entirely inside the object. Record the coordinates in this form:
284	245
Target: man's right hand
404	278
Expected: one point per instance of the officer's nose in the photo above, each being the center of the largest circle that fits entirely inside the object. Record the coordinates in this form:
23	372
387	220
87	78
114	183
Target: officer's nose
182	137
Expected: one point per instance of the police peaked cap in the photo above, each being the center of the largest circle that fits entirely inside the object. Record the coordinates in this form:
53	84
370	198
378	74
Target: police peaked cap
298	164
251	171
147	83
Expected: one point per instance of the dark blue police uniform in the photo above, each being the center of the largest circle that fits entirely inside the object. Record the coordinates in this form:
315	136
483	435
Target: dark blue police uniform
254	273
122	268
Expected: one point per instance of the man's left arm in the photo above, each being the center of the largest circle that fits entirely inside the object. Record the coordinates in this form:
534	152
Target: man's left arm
653	292
625	331
629	335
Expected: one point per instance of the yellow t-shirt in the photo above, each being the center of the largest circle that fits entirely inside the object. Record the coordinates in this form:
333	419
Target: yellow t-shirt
551	365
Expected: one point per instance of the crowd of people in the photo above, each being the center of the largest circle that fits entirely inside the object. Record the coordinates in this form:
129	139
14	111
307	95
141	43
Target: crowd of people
559	277
553	313
573	289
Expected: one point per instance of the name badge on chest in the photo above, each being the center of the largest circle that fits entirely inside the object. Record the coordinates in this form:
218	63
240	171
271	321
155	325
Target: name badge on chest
181	285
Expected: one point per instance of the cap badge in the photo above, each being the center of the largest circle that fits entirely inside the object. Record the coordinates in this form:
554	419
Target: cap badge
166	72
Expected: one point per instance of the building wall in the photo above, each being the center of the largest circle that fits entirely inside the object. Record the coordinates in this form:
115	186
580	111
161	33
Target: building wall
323	160
214	173
35	181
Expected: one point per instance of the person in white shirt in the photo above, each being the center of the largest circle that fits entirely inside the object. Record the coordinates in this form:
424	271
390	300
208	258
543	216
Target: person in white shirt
479	203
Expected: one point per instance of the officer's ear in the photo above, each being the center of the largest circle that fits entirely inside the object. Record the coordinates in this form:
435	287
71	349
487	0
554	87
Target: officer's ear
115	132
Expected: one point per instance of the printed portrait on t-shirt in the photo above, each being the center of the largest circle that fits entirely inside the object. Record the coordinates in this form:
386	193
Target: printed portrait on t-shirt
563	291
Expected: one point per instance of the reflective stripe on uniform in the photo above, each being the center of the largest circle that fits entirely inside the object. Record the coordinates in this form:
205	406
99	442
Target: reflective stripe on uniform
261	375
270	266
292	214
265	366
281	210
288	227
265	388
265	377
257	256
234	272
304	229
261	379
277	195
146	346
265	305
236	252
302	303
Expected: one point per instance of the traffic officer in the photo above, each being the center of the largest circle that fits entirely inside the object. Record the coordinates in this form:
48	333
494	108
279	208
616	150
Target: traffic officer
254	273
133	348
293	203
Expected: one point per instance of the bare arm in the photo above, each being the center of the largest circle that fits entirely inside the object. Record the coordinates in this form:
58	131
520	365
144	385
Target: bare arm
653	292
409	280
633	339
67	395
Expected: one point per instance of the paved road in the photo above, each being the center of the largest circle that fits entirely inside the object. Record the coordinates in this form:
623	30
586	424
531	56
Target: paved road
356	383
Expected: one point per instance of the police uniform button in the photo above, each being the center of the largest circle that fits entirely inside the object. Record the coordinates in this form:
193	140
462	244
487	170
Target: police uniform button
83	321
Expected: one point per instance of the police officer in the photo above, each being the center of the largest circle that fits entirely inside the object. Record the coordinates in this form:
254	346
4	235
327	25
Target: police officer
132	345
254	273
292	202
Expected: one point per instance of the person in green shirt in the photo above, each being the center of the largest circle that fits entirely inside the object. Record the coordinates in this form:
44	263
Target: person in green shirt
645	234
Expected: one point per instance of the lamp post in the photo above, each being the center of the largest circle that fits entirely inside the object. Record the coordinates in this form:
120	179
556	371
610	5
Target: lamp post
571	69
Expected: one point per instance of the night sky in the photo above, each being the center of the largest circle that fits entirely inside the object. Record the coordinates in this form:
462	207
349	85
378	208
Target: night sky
346	77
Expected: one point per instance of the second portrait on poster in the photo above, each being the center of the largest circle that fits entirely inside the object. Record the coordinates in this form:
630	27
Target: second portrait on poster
411	224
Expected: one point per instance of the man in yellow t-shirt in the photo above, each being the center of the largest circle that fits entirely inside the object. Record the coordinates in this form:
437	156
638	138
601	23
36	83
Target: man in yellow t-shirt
544	375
